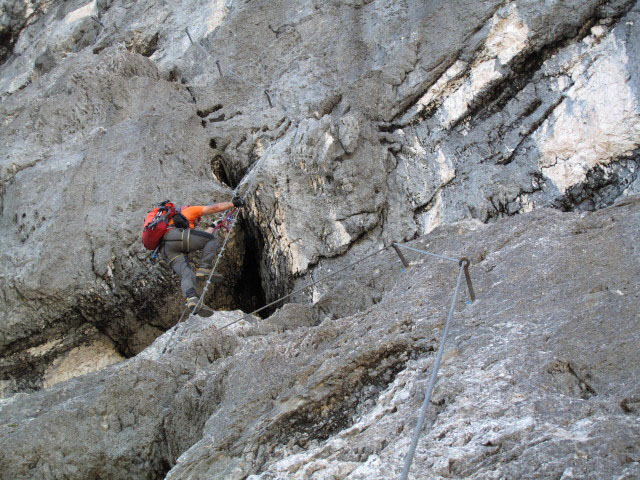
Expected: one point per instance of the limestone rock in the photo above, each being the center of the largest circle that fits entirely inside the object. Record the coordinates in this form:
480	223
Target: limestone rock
110	423
289	317
347	126
526	389
454	116
537	380
87	151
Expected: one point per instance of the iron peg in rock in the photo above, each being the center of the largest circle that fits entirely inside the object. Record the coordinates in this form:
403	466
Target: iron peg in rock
402	257
465	262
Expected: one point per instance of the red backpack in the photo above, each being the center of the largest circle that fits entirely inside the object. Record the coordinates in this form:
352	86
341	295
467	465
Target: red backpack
156	223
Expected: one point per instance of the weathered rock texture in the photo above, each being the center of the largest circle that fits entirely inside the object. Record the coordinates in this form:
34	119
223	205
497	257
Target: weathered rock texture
538	379
347	125
87	153
364	122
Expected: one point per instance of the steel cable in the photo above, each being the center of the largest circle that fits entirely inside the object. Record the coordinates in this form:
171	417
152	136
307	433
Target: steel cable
322	279
432	381
457	260
206	287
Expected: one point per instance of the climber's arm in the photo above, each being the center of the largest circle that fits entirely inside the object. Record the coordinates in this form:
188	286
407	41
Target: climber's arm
216	208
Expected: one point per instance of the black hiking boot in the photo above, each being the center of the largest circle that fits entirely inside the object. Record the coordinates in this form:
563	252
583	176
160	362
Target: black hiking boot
203	311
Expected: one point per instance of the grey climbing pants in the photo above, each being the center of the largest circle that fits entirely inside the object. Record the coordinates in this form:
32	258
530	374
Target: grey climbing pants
177	243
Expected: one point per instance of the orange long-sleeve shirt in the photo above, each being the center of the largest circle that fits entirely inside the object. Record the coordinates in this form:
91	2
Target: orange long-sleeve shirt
192	214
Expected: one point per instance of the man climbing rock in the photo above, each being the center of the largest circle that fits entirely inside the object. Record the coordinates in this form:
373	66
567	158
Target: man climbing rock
182	238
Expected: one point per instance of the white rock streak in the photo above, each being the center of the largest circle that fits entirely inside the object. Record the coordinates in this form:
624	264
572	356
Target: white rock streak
506	39
82	360
508	35
598	121
82	12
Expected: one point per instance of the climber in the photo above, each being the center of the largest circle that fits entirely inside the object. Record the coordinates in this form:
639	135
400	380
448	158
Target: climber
182	238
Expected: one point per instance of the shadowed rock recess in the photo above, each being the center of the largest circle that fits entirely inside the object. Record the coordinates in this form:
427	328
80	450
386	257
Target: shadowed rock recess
504	131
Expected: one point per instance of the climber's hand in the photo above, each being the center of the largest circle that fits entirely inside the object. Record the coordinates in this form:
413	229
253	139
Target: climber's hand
237	202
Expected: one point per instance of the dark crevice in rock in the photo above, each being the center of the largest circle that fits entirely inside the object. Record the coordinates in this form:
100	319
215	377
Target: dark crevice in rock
6	44
257	269
219	167
205	113
249	291
602	187
529	109
163	468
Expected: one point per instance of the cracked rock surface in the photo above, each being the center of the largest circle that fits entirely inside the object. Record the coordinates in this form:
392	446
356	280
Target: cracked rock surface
86	154
347	125
537	380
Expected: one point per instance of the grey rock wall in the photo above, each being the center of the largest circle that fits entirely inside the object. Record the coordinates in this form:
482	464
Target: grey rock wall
87	150
347	125
537	380
452	116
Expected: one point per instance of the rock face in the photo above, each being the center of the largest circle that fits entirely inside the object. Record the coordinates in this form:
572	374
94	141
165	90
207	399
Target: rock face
537	380
345	126
75	184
